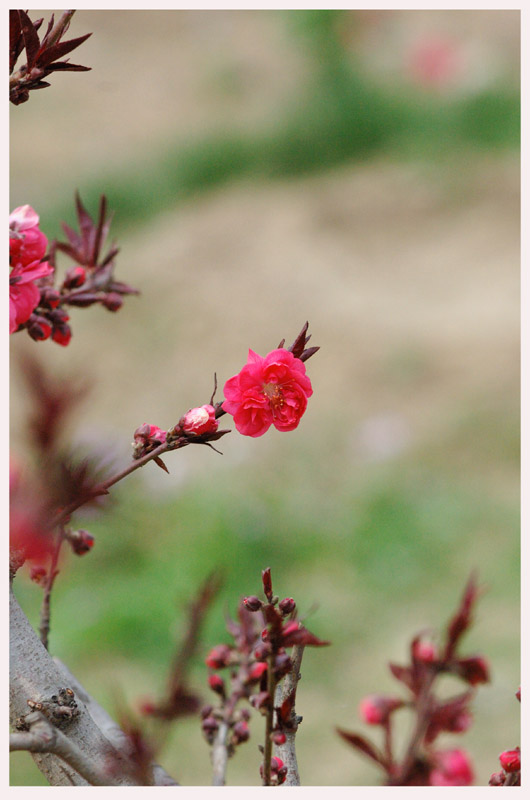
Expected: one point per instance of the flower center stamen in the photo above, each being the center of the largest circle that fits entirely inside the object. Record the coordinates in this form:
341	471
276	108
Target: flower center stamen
274	395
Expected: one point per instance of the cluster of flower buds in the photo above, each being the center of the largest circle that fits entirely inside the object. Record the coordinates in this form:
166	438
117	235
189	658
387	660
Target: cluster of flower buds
245	677
281	631
37	304
198	426
510	761
256	662
424	765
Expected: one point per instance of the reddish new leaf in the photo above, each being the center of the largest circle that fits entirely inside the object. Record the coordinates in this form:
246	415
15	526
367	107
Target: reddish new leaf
363	745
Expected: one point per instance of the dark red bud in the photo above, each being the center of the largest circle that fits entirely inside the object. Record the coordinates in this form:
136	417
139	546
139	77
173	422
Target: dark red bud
261	651
257	670
497	779
241	732
206	711
218	656
50	297
474	670
39	328
62	334
74	277
113	301
252	603
210	725
81	541
518	694
279	737
287	605
217	684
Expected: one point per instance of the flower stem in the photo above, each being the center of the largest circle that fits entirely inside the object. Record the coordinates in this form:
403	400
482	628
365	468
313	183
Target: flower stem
44	627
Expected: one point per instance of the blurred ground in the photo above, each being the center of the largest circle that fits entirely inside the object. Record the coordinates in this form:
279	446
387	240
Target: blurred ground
404	473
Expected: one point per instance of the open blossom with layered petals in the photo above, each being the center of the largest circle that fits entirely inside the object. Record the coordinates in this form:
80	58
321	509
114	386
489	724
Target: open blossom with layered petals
268	391
27	246
26	242
24	295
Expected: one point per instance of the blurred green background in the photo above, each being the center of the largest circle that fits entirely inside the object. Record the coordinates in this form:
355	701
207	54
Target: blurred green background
356	169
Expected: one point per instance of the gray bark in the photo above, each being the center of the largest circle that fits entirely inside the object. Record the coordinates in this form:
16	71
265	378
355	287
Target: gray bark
34	675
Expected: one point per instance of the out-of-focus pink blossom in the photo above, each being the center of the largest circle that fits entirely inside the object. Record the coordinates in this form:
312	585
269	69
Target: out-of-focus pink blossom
435	62
24	295
199	420
376	708
26	242
452	768
268	391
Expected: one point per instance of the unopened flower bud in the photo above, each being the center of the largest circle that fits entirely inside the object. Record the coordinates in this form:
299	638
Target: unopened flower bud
218	656
206	711
474	670
287	605
216	684
241	732
50	297
252	603
518	694
375	709
261	651
81	541
511	760
112	301
199	421
279	737
62	334
59	315
423	651
497	779
209	726
74	277
257	670
39	328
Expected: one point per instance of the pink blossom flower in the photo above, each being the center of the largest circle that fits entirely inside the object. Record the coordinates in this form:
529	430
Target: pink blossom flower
24	295
199	420
26	242
268	391
452	768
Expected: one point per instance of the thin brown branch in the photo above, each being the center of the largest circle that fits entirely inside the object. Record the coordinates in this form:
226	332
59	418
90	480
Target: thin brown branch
44	627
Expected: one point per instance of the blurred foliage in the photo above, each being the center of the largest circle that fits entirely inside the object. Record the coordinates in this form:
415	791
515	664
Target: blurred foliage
340	114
